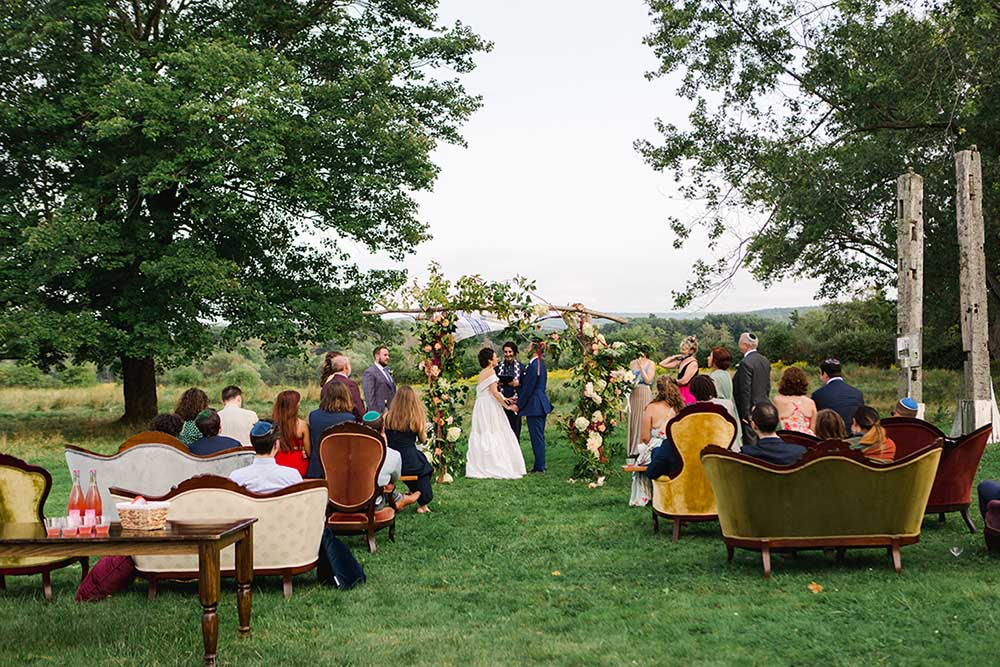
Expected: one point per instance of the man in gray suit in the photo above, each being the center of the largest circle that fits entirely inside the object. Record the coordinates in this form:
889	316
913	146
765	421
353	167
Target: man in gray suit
751	384
377	381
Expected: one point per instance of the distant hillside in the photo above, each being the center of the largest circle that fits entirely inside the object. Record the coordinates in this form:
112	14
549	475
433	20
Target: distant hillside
779	314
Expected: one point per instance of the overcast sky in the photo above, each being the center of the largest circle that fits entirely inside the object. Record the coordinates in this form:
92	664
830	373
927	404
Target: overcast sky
550	186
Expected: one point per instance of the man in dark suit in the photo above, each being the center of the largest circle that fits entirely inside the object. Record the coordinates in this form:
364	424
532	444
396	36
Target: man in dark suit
342	373
377	381
769	447
835	394
533	404
751	383
510	367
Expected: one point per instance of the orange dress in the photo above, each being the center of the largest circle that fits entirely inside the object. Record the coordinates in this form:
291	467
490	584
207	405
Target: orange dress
294	459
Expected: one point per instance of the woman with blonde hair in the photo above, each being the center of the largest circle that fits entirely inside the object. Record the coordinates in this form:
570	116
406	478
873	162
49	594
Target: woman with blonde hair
335	407
405	422
796	411
829	425
686	365
665	405
295	443
643	372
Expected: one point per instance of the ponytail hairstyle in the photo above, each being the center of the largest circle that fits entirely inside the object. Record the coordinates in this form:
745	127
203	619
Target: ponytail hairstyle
667	392
326	370
868	419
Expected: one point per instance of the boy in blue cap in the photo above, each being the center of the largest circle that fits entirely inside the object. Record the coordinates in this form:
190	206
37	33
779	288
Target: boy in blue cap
264	475
905	407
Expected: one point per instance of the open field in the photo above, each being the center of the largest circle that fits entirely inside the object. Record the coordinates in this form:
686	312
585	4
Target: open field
525	572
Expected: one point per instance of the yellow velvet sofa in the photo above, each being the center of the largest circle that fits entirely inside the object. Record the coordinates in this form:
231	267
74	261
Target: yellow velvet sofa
833	498
688	496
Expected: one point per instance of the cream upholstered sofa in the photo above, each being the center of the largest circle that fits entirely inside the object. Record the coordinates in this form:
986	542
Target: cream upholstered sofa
150	469
286	536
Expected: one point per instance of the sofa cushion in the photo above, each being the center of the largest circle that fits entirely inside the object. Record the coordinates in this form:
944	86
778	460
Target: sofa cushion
349	518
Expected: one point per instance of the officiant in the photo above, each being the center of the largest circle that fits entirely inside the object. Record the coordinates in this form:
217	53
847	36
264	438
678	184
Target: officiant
510	372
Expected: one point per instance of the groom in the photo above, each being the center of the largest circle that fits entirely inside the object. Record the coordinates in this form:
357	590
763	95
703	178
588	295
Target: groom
533	403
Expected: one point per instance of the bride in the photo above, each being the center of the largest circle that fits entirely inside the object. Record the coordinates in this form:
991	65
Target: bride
494	451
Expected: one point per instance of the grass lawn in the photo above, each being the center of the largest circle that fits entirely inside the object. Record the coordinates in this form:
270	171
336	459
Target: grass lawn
531	571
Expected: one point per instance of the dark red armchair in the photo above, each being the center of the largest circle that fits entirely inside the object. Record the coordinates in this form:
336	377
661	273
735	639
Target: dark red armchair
910	434
952	490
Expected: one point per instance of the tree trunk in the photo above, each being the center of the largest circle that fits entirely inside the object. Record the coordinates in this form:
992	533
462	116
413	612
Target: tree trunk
139	381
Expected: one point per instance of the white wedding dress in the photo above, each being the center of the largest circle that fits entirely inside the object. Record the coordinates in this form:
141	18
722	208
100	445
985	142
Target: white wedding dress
494	452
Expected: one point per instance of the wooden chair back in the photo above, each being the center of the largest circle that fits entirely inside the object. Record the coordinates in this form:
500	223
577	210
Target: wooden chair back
152	437
352	456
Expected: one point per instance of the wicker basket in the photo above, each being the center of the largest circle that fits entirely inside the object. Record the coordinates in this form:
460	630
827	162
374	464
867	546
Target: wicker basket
143	515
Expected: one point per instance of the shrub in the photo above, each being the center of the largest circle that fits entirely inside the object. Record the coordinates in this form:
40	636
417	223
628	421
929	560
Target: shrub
244	377
184	376
78	376
22	375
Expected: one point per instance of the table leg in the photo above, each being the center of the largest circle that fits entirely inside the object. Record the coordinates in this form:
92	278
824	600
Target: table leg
244	577
208	590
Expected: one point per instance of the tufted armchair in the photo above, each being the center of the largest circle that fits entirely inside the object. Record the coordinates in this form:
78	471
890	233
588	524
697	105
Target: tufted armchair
688	497
286	536
23	490
153	468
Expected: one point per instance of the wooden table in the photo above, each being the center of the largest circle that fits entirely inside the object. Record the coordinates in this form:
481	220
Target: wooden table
206	539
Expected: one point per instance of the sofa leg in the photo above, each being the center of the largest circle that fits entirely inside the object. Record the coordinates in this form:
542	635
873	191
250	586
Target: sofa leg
47	586
392	531
677	530
3	583
84	567
286	585
730	550
371	541
897	563
656	523
841	554
153	589
940	517
968	521
765	556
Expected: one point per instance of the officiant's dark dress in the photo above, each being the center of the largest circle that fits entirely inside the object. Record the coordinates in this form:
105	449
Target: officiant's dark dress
506	372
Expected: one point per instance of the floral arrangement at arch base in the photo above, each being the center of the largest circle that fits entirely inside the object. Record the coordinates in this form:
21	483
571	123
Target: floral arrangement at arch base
603	380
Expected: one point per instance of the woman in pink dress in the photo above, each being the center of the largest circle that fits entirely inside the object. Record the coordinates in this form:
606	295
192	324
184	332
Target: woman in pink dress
686	365
796	411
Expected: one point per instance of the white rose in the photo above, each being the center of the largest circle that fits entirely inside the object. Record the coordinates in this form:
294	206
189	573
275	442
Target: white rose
601	339
594	441
600	385
589	330
588	390
540	310
617	345
581	424
453	433
597	417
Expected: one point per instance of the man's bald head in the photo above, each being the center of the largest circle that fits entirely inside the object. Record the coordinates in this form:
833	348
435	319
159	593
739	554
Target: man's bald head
340	364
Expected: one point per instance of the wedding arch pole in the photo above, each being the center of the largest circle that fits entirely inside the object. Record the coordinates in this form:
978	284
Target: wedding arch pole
910	284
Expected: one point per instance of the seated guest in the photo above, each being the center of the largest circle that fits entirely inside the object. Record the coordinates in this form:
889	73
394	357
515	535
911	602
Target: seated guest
264	475
829	425
906	407
168	423
191	403
335	407
704	391
296	443
391	469
656	452
795	410
769	447
405	423
236	421
211	442
988	490
877	446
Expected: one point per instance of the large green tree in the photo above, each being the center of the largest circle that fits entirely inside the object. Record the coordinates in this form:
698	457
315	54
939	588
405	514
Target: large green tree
804	113
168	165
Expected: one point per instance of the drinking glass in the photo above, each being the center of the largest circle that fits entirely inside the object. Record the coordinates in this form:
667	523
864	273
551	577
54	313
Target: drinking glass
86	529
52	526
103	526
70	529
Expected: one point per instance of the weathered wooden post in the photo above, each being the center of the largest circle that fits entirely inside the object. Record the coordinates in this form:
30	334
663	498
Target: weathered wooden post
910	284
975	407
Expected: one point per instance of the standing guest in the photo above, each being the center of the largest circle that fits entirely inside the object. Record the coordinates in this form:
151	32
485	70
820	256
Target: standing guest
211	442
877	445
751	384
533	403
264	475
703	389
768	446
326	370
906	407
236	422
341	367
509	372
719	361
192	402
835	393
168	423
643	373
686	365
296	443
796	411
335	407
829	425
405	423
656	452
377	381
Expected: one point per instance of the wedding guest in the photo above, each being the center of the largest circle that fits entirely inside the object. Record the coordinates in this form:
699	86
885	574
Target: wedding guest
236	422
509	372
211	442
168	423
719	361
392	467
906	407
191	403
335	407
686	365
703	390
988	489
795	410
829	425
341	367
656	452
264	474
326	370
768	446
751	383
835	393
405	423
296	441
377	381
643	374
877	445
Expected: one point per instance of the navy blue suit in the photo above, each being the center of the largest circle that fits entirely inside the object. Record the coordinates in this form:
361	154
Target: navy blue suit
840	397
666	460
774	450
515	368
533	404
